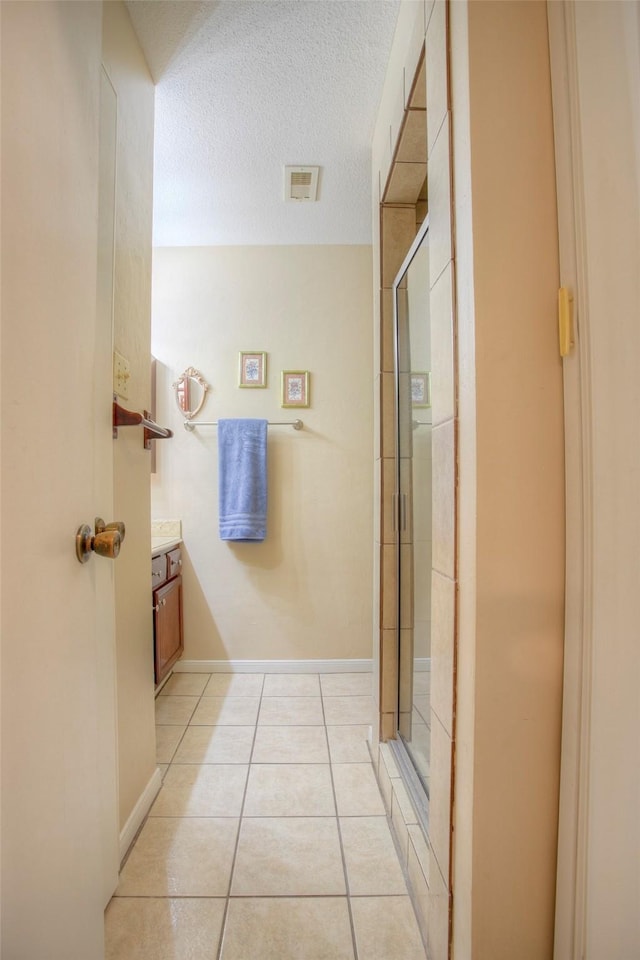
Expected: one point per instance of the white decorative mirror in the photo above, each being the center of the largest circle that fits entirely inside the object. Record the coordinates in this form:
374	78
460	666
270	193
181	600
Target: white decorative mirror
190	392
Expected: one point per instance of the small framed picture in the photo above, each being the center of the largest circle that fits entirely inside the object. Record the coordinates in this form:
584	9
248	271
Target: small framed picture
421	389
295	388
253	369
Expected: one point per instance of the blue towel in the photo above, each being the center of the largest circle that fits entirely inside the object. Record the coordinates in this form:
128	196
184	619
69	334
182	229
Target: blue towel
242	479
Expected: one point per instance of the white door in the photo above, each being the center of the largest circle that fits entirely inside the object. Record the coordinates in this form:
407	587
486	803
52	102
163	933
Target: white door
596	94
59	833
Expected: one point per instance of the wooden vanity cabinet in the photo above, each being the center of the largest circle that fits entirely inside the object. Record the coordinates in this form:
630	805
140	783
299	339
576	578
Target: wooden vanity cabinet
168	640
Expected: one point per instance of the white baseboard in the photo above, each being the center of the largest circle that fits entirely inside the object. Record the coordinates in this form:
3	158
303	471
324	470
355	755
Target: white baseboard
139	812
273	666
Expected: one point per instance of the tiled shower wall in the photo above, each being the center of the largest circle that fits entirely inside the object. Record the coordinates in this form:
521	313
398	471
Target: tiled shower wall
414	83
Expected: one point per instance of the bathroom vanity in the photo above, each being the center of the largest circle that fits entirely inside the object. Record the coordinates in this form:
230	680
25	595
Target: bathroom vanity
166	585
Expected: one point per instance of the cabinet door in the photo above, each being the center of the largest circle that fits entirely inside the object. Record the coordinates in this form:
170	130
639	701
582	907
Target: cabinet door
167	621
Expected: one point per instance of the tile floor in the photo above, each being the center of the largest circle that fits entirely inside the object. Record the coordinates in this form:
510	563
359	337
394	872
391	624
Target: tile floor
268	839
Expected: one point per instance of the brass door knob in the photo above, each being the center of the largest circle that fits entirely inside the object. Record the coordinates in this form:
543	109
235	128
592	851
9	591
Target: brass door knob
107	544
101	527
106	541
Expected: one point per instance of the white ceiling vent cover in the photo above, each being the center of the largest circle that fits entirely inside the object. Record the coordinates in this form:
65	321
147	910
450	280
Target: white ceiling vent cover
301	183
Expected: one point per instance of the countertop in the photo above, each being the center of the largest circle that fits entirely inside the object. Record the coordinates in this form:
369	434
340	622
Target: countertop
162	544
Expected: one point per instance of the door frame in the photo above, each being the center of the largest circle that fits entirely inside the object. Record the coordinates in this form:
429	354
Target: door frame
574	775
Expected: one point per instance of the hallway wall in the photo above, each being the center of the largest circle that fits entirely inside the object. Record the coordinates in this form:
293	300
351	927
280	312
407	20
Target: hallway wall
305	592
511	487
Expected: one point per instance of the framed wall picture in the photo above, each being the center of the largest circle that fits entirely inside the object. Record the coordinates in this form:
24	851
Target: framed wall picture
421	389
253	369
295	388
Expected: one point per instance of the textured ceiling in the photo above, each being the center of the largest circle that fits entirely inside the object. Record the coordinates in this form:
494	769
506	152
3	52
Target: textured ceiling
244	88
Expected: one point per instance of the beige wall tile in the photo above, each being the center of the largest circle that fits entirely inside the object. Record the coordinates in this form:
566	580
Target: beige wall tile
413	142
414	54
387	332
407	588
443	596
437	80
389	607
389	672
397	112
444	499
388	761
440	799
388	413
398	231
440	245
442	357
418	97
388	472
406	670
384	782
377	417
428	11
399	824
378	500
420	849
438	928
405	182
418	884
387	726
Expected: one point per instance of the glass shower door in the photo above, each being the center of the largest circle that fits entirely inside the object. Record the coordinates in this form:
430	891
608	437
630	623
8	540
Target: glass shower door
413	460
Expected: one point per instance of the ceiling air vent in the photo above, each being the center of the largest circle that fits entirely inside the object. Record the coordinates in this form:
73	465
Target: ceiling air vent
301	183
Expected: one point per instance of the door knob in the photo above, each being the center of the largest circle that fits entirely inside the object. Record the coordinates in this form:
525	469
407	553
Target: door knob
102	527
105	541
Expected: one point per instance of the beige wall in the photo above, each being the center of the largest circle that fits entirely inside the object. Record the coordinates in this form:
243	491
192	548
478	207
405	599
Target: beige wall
130	77
305	593
511	511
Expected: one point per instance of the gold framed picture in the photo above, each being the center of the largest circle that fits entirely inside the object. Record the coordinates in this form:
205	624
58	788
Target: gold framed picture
421	389
253	369
295	388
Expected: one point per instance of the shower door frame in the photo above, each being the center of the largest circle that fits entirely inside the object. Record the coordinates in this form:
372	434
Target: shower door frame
418	793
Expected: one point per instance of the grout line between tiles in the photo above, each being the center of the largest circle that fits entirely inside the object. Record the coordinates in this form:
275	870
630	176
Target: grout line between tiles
344	861
240	817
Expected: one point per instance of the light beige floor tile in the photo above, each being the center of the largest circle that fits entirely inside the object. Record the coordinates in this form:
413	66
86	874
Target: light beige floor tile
348	744
175	710
357	791
288	929
234	685
289	790
167	739
294	711
346	684
386	929
340	710
227	711
291	685
180	857
215	745
290	745
185	685
153	929
163	767
202	790
288	856
372	862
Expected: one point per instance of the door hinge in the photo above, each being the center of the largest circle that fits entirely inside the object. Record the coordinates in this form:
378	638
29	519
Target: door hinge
565	321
